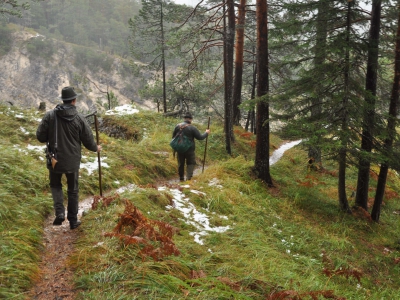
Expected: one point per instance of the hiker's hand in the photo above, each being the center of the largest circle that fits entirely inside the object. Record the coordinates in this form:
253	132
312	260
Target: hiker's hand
208	131
98	148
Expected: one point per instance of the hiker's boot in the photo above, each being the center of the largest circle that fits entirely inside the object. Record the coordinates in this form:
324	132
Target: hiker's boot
189	171
74	224
59	219
58	202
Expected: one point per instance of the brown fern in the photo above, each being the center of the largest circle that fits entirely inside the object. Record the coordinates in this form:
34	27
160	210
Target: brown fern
330	271
361	213
105	201
197	274
153	238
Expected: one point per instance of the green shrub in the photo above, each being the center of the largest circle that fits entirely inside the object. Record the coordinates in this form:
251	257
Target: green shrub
5	40
94	60
38	47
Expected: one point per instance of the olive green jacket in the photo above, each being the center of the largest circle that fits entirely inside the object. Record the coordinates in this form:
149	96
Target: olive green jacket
72	131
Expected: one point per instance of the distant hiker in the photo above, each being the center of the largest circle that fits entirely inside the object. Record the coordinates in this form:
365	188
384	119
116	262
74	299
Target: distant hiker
64	129
189	156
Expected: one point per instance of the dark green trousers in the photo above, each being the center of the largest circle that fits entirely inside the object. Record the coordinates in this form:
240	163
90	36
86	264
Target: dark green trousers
72	192
189	159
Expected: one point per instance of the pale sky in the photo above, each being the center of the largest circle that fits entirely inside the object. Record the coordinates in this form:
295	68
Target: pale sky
187	2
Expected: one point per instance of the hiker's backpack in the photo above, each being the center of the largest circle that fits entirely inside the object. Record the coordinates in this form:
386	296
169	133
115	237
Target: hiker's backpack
181	143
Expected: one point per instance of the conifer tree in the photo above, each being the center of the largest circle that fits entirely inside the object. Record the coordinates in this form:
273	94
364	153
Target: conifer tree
210	39
323	72
149	31
391	129
369	106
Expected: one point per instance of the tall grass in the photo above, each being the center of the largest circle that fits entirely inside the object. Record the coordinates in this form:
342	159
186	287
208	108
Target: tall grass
292	237
23	204
289	238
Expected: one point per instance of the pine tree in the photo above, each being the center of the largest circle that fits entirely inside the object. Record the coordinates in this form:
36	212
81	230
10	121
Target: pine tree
237	85
369	106
323	73
149	33
391	129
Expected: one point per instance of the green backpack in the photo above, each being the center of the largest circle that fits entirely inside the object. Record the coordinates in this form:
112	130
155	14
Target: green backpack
181	143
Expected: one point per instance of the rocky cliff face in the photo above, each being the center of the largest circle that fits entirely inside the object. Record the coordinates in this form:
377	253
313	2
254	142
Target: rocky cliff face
26	80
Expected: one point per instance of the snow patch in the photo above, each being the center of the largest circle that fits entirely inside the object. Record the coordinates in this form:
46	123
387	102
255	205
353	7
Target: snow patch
92	166
126	109
128	188
192	216
36	148
215	182
278	153
23	130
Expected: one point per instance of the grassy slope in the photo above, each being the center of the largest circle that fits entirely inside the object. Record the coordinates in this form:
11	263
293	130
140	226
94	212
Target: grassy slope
280	239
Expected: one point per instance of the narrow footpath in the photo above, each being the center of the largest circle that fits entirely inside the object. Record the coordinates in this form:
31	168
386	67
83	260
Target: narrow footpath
56	275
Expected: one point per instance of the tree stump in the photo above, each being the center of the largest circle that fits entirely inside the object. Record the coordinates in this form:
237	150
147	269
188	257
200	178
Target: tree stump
42	106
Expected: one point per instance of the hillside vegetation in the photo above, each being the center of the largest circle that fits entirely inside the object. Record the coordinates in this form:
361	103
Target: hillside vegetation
223	235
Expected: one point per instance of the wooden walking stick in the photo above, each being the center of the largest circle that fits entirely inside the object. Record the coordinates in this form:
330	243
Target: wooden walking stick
96	125
205	147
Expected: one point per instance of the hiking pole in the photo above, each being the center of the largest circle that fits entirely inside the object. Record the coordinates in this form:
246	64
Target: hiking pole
205	147
96	125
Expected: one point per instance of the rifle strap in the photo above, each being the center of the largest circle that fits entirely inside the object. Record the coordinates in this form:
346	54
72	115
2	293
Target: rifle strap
56	135
182	127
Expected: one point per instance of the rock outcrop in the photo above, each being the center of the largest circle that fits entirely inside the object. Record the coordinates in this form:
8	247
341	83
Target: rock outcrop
26	80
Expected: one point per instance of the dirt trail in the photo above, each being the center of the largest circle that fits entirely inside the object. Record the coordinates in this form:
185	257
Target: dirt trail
56	275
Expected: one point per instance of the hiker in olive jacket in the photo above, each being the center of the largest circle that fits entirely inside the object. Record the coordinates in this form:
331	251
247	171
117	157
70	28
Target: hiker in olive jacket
189	156
72	131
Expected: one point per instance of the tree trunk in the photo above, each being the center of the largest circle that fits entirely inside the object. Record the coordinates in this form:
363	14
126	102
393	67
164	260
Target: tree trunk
369	108
343	202
314	152
391	129
228	70
250	118
253	122
246	127
163	57
226	92
253	95
237	86
261	167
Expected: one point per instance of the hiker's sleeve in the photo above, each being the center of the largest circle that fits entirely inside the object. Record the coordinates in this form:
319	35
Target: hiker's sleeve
43	129
197	135
87	138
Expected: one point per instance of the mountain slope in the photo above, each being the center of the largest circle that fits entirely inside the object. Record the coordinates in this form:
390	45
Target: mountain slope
36	69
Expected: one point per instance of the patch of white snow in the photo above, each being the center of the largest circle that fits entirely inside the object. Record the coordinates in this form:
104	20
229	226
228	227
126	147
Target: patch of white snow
278	153
126	109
